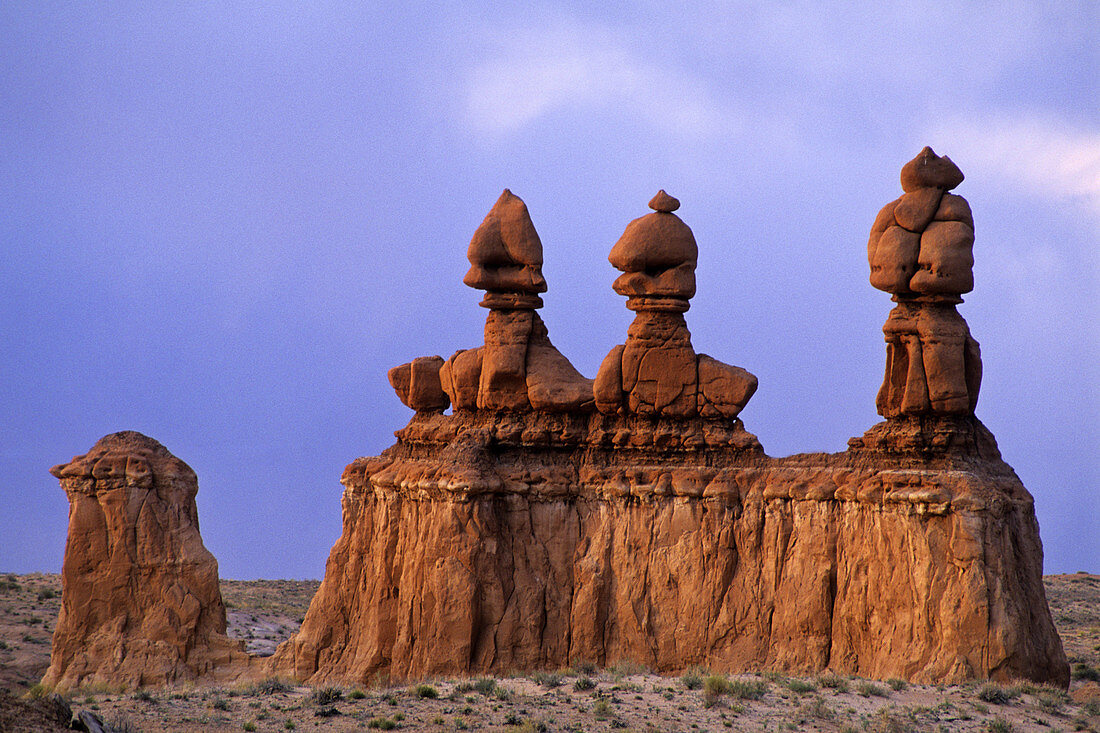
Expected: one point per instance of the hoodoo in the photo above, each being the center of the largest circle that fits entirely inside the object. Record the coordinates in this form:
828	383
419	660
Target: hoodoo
140	601
550	519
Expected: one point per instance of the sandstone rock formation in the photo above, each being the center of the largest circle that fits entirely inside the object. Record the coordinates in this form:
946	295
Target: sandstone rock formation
921	251
657	372
517	368
515	534
140	598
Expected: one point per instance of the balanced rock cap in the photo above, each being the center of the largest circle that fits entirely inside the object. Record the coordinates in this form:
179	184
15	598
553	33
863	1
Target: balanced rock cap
664	203
128	457
659	240
929	170
505	253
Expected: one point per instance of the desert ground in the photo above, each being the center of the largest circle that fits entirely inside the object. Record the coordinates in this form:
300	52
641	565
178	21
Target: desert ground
584	698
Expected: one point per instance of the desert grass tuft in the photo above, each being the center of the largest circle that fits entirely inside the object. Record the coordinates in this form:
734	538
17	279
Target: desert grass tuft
549	680
818	709
485	685
266	686
426	691
602	709
833	682
748	689
870	689
326	695
584	684
627	668
584	666
36	691
691	679
801	686
1083	671
993	693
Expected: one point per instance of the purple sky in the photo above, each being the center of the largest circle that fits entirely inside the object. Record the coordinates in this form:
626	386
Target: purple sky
220	226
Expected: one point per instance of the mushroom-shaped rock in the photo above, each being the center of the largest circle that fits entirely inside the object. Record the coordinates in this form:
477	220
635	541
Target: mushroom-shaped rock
921	250
657	371
505	253
517	369
140	603
657	255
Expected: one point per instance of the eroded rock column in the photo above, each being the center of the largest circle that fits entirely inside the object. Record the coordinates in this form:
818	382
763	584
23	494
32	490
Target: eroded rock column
657	372
140	602
517	369
921	251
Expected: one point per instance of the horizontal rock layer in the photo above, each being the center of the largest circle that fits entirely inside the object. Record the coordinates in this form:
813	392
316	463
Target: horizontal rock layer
492	542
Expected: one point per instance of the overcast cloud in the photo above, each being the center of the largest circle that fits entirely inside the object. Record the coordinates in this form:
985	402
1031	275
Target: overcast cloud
223	224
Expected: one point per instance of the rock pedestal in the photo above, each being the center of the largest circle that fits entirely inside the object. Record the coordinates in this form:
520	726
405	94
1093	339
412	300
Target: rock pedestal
517	534
140	602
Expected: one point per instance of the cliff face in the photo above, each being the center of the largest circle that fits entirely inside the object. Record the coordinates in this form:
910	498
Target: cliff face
469	547
140	603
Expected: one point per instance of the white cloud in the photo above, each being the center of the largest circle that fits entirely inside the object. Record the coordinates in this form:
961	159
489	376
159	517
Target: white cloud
1046	157
573	67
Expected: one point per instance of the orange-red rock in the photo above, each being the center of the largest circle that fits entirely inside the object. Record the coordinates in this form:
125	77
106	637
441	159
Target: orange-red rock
418	385
506	253
656	530
921	250
657	371
140	598
946	260
517	368
929	170
485	543
922	242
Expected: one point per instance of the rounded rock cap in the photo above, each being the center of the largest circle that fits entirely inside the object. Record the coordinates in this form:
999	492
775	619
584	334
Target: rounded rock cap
505	253
929	170
664	203
126	457
660	240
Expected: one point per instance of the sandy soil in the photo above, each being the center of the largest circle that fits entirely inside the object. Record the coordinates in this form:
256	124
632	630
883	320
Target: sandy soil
264	613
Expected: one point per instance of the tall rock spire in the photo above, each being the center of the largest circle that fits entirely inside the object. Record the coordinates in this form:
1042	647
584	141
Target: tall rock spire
921	251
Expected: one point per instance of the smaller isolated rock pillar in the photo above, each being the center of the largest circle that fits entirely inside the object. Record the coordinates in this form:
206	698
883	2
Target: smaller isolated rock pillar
140	602
657	372
921	251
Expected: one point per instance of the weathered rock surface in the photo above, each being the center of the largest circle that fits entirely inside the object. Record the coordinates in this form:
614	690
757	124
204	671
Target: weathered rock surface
485	543
921	250
140	601
522	534
657	372
517	368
